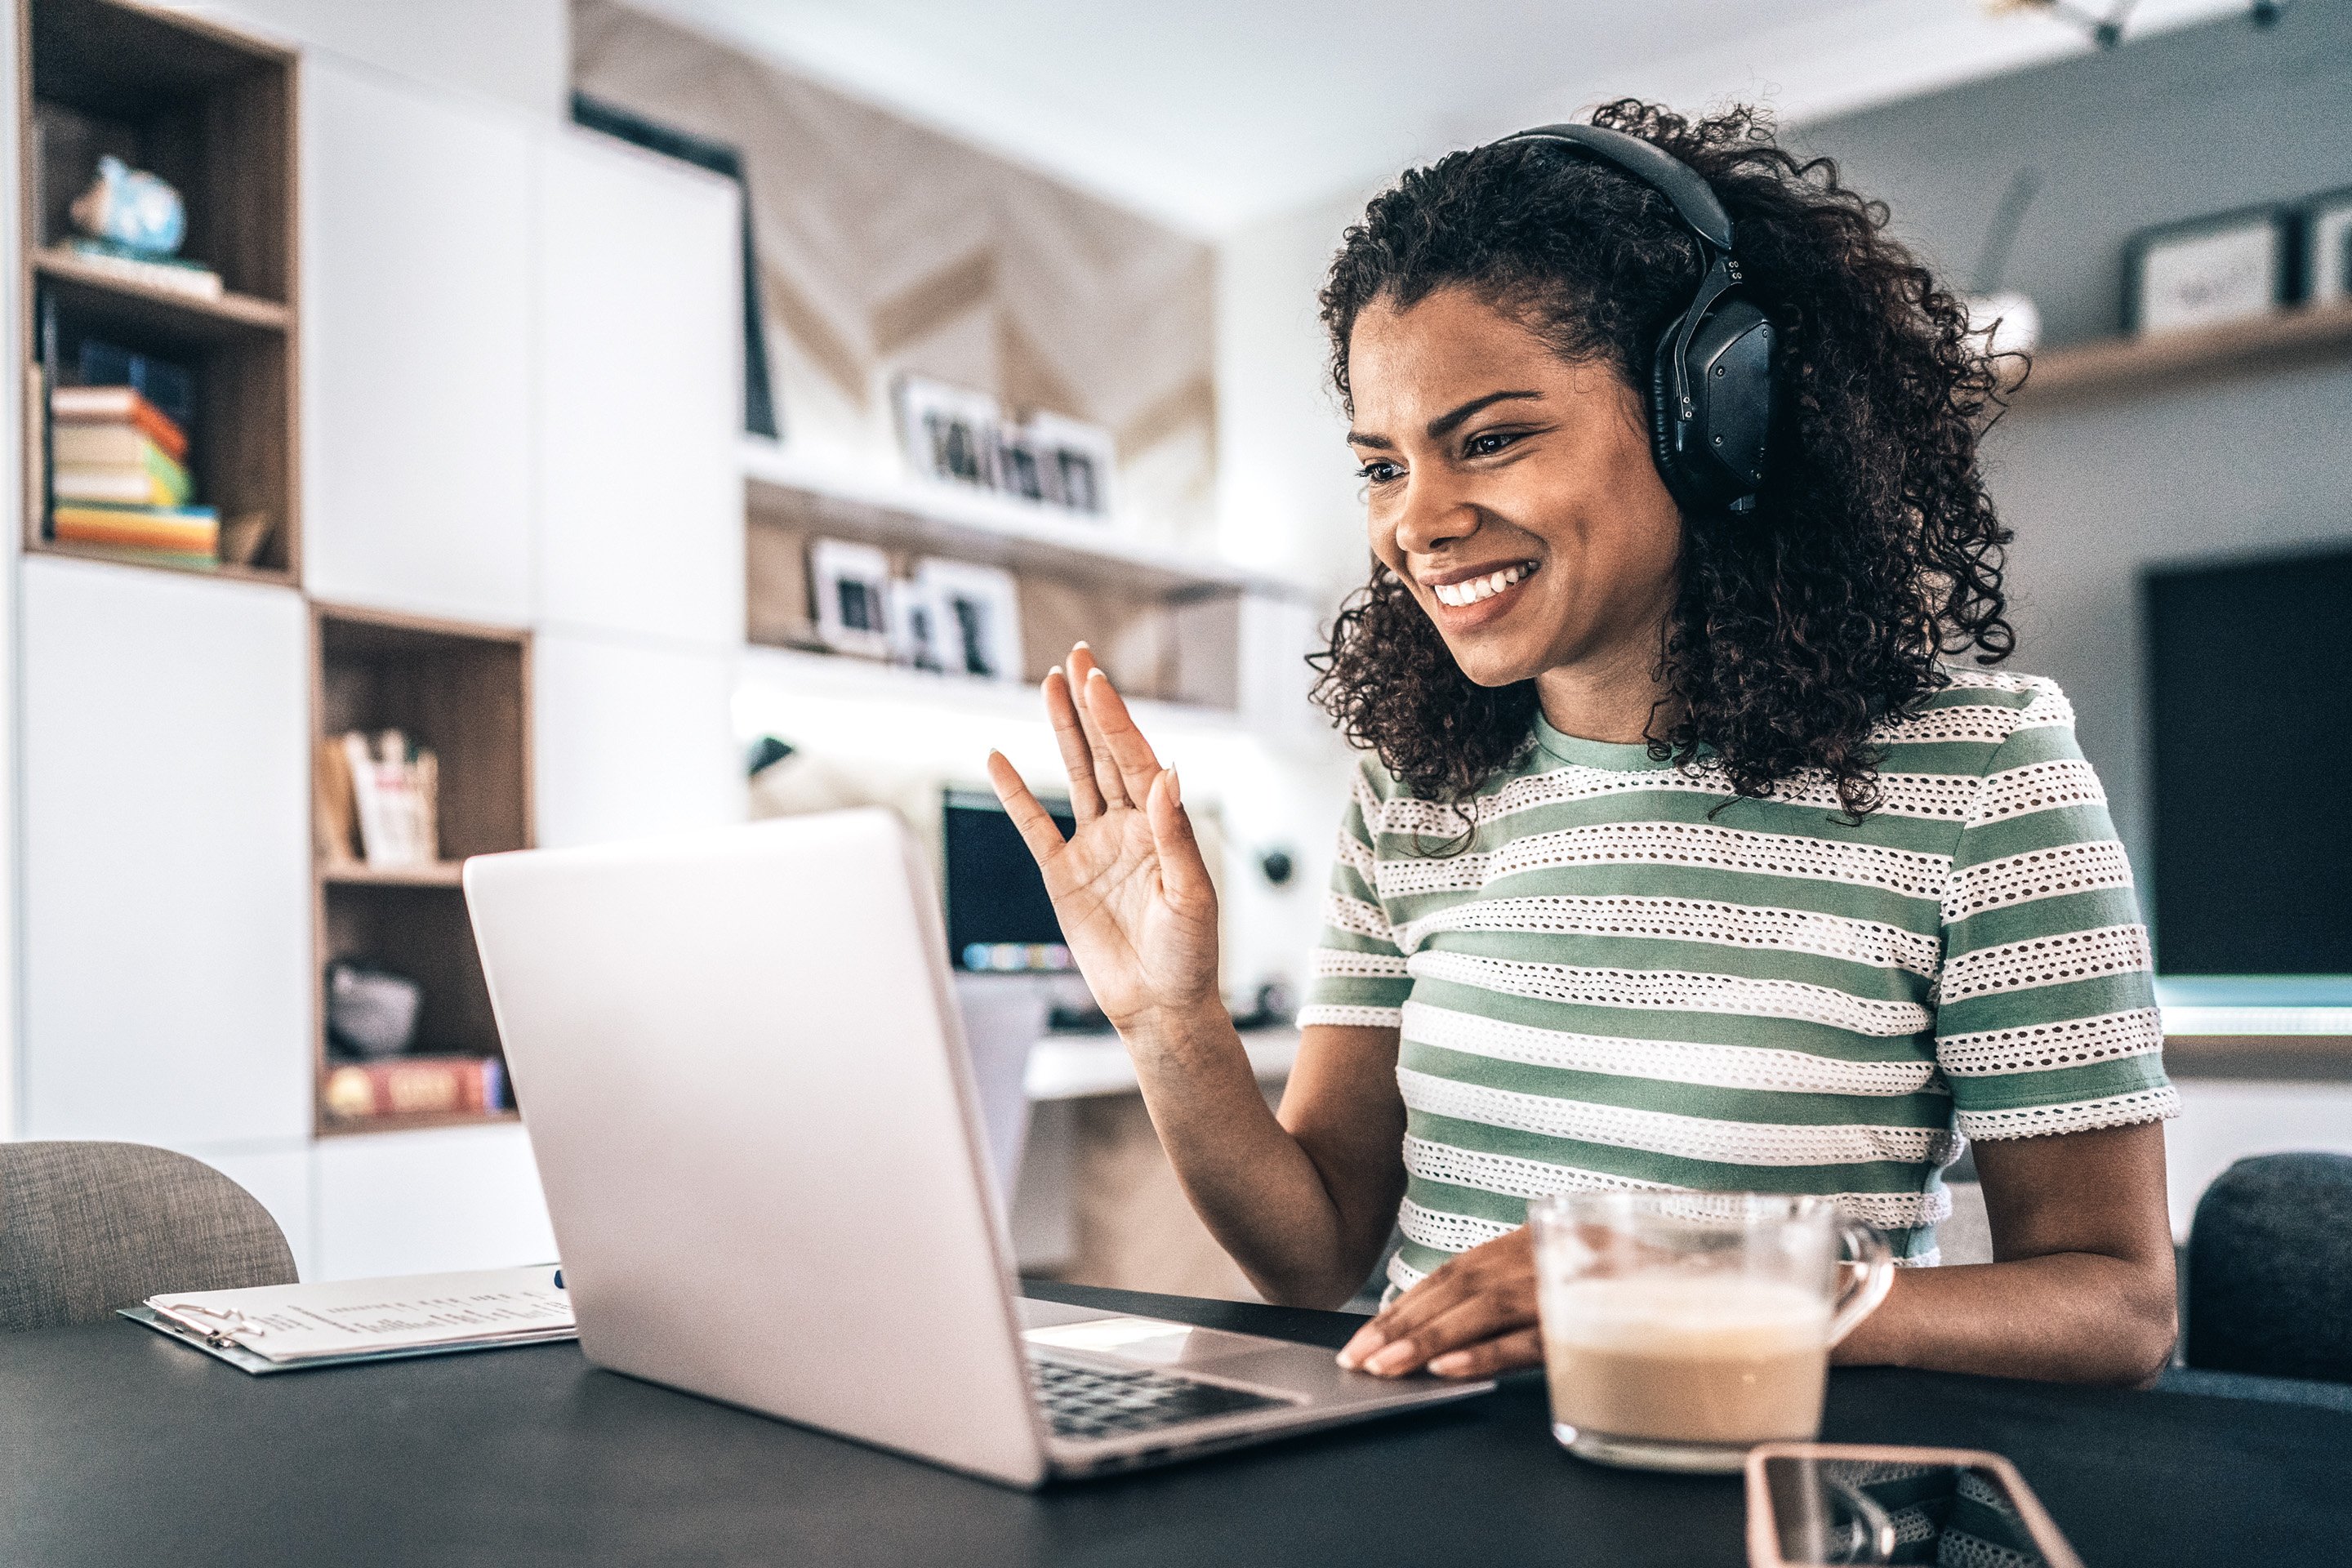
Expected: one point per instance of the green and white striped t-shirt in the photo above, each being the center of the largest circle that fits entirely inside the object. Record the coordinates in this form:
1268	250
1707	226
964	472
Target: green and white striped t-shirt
1630	978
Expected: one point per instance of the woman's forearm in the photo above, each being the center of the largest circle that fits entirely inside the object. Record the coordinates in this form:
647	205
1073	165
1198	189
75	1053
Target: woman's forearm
2065	1317
1252	1182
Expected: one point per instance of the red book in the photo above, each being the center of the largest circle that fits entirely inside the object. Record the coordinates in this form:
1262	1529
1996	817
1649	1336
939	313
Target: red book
118	404
415	1086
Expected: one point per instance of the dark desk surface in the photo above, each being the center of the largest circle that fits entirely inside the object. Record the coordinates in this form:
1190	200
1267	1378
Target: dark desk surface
120	1448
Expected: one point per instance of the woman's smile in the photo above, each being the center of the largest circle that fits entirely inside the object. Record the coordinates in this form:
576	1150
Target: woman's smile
1469	597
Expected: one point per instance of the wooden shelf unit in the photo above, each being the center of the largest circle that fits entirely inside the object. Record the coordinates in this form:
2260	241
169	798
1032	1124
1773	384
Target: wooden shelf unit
212	112
2164	360
464	691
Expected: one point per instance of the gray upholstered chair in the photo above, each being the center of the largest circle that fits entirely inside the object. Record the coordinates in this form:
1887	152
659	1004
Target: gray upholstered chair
88	1227
2268	1296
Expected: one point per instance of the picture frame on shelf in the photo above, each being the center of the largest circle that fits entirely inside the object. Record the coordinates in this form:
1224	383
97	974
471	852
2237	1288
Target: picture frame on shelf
849	585
2326	228
1020	465
979	617
949	433
1078	460
917	637
2208	272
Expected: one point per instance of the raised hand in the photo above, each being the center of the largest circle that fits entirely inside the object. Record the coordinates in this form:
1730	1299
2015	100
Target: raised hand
1130	887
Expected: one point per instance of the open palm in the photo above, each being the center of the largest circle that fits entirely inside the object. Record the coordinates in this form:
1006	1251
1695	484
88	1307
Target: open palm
1130	887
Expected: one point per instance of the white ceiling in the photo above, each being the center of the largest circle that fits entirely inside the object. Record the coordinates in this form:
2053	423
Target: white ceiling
1209	114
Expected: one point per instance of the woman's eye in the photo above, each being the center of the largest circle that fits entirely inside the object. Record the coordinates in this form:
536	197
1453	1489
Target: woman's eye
1378	473
1487	442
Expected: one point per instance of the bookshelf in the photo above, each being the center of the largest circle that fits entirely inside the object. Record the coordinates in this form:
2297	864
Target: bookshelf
464	691
1164	621
212	112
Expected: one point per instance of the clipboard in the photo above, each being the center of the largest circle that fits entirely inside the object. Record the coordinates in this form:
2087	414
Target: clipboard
381	1318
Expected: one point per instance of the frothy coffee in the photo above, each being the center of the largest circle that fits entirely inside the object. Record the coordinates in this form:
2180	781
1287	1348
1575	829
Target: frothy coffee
1706	1358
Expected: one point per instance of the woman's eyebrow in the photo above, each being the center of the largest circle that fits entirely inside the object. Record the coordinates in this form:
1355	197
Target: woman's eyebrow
1445	424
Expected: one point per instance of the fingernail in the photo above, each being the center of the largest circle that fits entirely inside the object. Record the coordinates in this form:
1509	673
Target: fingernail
1352	1353
1391	1359
1175	788
1451	1363
1078	645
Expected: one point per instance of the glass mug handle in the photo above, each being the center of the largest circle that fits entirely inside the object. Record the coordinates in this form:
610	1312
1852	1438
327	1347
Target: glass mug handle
1866	1284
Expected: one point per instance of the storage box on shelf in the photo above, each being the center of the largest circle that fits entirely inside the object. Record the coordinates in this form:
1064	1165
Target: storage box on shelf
1165	622
463	692
212	113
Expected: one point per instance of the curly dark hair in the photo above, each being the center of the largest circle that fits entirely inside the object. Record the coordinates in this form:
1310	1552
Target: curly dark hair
1873	551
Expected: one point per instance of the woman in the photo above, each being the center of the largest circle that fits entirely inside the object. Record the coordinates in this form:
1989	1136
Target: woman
1681	859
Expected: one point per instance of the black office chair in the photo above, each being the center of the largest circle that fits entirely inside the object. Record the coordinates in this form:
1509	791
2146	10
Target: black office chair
2268	1293
88	1227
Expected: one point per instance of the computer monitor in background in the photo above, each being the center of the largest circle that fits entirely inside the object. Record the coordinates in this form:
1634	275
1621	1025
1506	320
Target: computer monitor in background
999	919
2250	694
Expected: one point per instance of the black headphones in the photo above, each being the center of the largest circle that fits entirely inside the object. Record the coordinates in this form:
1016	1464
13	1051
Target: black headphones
1711	376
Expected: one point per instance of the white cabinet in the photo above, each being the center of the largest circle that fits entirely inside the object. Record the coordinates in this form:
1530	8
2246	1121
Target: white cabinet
428	1203
418	294
634	738
640	389
166	871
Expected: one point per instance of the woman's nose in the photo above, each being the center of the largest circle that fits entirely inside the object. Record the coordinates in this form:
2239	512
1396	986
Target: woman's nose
1432	516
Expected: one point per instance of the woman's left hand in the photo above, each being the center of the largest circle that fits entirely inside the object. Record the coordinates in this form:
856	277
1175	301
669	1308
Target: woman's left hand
1473	1318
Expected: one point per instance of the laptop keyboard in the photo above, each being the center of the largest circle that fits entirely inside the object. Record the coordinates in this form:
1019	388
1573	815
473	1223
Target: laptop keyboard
1084	1403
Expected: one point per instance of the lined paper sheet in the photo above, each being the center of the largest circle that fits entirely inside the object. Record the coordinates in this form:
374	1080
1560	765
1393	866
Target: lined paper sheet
289	1324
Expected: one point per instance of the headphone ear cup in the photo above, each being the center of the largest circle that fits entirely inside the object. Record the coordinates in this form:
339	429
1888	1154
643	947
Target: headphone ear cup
1720	460
1723	453
1662	417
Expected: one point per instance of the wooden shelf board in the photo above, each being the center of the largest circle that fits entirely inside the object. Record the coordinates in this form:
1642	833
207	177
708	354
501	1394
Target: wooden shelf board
791	670
330	1127
2165	359
2301	1059
440	874
978	526
274	576
186	315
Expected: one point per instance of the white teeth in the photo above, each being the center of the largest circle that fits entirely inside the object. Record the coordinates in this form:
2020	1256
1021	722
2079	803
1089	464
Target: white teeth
1477	588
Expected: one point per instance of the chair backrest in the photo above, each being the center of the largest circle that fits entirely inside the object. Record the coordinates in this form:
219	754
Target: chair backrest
2270	1269
88	1227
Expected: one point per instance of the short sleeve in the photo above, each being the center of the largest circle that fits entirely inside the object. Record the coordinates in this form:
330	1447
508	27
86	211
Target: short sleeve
2046	1019
1360	971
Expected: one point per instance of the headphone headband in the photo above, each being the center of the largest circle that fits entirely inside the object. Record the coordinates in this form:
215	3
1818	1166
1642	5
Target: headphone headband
1681	184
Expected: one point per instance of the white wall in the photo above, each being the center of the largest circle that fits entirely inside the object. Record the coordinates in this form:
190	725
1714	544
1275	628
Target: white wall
1287	491
2223	1121
517	51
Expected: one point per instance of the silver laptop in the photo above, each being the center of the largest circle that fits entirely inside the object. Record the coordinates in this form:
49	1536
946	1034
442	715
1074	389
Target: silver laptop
744	1075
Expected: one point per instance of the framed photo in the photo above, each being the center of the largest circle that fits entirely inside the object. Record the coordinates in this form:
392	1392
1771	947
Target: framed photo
1019	465
950	432
979	617
2327	248
851	586
2207	272
917	634
1078	460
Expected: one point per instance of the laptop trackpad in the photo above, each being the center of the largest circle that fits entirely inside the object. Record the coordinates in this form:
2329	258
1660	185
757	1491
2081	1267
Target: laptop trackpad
1150	1342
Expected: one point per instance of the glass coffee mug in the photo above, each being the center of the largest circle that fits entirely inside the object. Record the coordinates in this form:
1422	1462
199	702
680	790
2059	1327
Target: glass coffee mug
1682	1329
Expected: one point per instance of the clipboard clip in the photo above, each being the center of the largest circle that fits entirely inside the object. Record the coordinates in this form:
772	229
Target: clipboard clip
216	1326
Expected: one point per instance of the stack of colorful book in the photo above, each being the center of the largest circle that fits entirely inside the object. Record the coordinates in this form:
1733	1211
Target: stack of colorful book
423	1084
119	477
